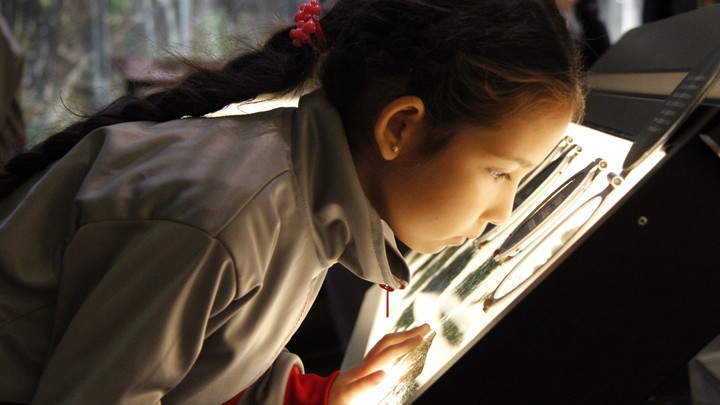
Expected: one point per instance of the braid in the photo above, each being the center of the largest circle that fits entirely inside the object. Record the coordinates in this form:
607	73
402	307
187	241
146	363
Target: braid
277	68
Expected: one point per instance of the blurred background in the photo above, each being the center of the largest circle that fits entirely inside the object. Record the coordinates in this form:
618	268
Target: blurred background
81	54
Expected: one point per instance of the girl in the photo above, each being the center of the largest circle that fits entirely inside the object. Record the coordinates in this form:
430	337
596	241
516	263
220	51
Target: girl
147	256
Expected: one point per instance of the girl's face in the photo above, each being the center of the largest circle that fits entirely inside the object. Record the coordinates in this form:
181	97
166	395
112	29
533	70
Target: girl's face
433	202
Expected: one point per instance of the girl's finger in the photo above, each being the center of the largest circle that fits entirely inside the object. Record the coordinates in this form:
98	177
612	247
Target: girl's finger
342	388
365	383
389	355
394	338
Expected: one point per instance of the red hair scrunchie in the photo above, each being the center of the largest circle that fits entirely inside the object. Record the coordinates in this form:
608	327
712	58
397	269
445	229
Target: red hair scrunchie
309	26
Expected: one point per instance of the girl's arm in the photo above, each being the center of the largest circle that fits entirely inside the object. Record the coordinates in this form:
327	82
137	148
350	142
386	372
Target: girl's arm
338	388
132	310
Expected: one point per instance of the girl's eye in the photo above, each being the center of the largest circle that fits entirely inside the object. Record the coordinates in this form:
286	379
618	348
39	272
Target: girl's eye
498	175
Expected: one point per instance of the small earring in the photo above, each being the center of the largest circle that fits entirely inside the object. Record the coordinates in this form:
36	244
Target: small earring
395	149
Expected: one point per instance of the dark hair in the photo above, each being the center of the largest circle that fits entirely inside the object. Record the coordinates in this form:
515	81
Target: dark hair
472	62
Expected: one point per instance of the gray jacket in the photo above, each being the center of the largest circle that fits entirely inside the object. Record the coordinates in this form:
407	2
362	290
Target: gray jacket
173	261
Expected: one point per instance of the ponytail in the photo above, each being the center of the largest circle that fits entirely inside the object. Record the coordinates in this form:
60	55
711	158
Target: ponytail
276	68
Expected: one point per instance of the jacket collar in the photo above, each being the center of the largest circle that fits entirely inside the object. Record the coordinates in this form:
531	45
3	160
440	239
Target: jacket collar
345	226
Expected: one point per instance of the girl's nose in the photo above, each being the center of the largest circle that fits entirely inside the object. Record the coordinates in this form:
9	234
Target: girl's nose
501	208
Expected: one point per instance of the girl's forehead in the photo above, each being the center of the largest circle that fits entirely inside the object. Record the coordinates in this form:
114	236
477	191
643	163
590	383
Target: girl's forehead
523	140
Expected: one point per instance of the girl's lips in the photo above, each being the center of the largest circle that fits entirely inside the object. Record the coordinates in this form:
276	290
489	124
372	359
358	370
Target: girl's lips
458	240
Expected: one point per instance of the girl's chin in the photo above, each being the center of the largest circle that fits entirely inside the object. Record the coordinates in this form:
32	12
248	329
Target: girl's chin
457	241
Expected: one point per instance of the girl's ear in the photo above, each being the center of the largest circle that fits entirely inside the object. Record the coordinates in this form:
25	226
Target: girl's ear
399	125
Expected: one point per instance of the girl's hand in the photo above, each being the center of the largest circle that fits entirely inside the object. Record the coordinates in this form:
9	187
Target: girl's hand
368	374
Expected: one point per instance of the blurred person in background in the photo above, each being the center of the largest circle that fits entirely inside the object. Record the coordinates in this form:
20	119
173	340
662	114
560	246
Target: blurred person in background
654	10
587	28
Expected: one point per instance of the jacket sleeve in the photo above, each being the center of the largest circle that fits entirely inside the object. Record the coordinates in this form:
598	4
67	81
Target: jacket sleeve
286	383
133	306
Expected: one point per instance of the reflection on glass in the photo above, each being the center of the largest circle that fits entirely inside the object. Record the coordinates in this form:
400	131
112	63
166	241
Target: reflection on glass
431	267
437	284
406	319
551	159
470	283
531	188
549	210
530	228
451	331
548	247
443	279
545	175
